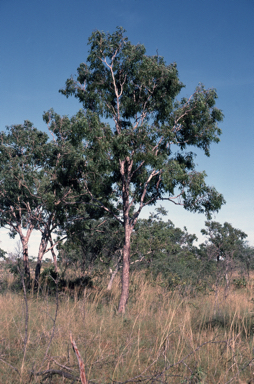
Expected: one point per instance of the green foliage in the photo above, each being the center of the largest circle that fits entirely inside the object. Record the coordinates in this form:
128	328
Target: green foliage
139	155
178	270
2	254
22	157
37	186
14	268
94	244
166	251
136	91
157	246
51	282
126	149
49	273
240	282
225	244
224	239
245	256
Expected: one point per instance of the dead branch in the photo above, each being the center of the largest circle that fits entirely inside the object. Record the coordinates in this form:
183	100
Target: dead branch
80	362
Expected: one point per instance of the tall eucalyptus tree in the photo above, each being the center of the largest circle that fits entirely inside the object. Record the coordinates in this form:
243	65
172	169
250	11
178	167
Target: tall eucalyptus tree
142	146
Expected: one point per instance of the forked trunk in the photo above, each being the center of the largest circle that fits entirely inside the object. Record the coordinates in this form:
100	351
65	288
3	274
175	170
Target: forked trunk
24	241
126	269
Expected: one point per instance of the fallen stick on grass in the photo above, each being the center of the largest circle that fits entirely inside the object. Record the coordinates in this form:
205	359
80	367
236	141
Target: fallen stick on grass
80	362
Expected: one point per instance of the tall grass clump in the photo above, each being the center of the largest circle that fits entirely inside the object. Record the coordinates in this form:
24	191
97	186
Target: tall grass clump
164	337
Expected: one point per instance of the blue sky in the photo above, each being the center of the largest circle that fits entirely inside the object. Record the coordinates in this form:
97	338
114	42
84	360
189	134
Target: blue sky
43	42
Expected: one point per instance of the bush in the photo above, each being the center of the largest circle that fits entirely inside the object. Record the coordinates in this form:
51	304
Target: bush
240	282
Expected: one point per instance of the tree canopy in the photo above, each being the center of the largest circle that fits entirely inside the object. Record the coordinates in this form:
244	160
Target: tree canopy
224	240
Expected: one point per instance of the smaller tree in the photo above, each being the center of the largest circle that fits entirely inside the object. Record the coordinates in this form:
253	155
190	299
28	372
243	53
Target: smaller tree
165	250
95	245
246	257
31	198
21	160
223	244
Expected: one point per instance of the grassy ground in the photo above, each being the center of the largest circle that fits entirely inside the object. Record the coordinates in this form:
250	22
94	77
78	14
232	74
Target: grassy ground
162	338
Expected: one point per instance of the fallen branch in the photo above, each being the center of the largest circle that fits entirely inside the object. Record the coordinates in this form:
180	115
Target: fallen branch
80	362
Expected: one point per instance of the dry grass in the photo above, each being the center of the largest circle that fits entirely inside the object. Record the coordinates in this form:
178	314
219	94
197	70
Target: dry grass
162	338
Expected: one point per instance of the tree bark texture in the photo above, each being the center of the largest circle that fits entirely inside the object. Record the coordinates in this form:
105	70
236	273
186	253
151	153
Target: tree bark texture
24	241
114	272
53	254
25	261
113	275
125	170
126	269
